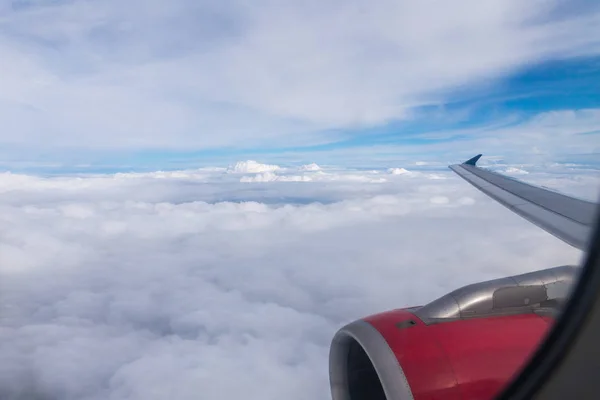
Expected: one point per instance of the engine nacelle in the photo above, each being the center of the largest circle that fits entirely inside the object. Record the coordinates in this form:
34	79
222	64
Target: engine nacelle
465	345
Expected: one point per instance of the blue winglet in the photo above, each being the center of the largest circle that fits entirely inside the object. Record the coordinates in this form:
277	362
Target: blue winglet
473	160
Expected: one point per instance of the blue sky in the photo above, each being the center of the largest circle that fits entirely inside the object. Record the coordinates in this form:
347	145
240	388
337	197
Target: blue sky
148	85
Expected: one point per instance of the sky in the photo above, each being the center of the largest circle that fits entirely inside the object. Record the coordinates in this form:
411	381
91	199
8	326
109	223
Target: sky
107	85
196	195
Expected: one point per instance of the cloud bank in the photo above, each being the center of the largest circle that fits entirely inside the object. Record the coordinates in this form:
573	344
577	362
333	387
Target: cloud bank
192	284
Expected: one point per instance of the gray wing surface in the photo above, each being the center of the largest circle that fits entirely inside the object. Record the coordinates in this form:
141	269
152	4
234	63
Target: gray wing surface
565	217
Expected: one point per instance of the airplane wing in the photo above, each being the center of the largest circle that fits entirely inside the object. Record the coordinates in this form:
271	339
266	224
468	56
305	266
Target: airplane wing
565	217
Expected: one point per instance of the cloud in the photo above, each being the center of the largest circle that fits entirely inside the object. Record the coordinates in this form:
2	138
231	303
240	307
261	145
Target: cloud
138	287
542	139
441	200
319	176
515	171
413	174
251	166
310	167
271	177
189	74
399	171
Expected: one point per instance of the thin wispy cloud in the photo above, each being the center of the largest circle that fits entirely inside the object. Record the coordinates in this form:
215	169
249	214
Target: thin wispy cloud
183	74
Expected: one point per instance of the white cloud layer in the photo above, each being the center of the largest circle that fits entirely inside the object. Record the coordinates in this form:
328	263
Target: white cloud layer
271	177
251	166
399	171
194	285
183	73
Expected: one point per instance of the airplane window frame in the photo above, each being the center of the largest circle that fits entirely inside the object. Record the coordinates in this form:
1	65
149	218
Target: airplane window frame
557	366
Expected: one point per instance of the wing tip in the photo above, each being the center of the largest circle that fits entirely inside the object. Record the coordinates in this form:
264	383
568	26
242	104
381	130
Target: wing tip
473	161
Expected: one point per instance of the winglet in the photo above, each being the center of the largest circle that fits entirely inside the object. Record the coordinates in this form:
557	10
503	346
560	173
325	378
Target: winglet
473	161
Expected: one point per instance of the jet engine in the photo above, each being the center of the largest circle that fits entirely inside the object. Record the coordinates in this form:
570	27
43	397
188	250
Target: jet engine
464	345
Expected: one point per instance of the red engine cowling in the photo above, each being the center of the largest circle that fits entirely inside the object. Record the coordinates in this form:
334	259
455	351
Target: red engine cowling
465	345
